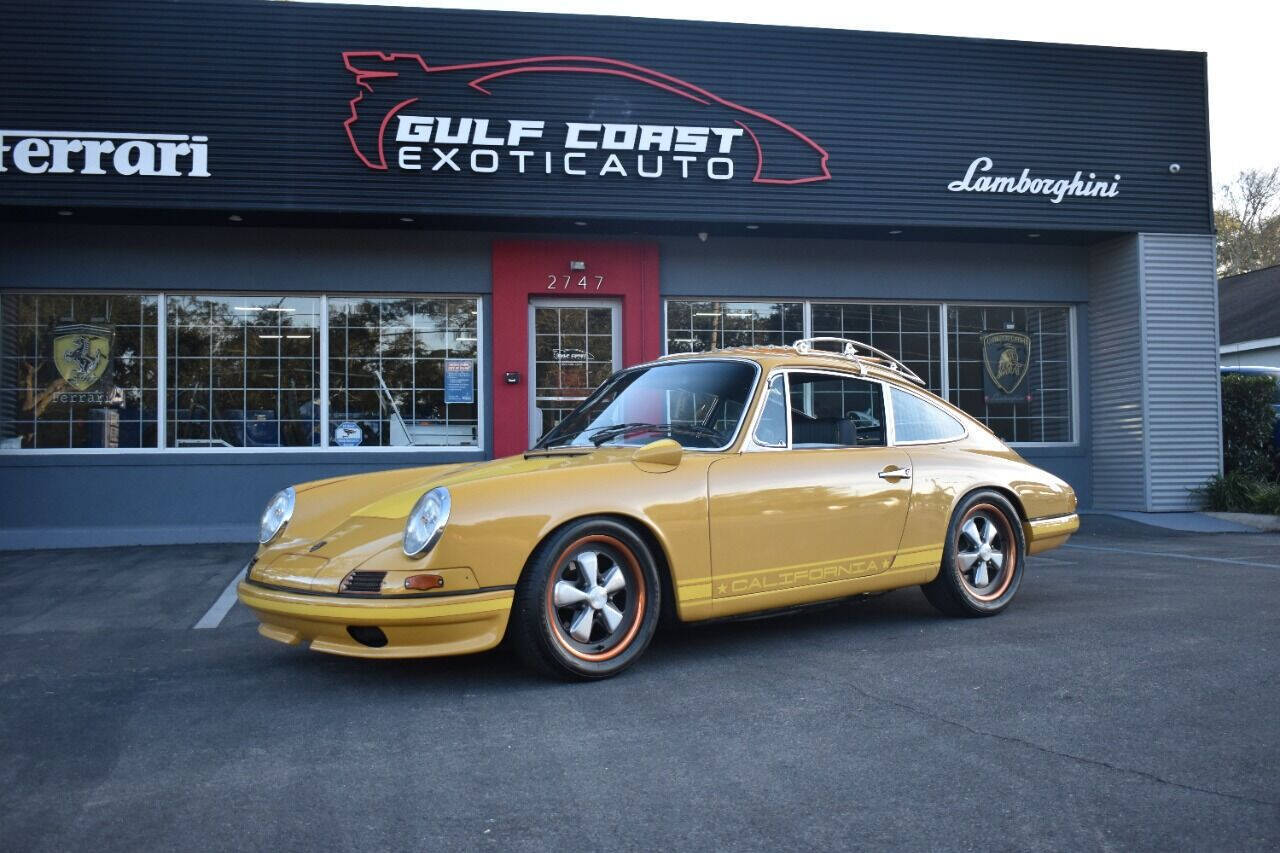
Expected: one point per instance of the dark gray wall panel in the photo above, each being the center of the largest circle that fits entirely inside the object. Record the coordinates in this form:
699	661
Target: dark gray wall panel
901	116
269	259
155	498
868	269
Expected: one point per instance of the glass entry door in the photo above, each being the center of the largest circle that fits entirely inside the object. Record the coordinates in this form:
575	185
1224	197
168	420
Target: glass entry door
574	345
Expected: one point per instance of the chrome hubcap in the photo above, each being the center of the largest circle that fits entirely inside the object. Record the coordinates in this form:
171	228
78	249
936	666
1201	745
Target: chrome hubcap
590	596
981	551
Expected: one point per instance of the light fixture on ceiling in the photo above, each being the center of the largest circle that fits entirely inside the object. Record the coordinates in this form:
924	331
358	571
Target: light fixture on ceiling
1033	236
753	227
896	231
580	223
235	217
406	218
64	212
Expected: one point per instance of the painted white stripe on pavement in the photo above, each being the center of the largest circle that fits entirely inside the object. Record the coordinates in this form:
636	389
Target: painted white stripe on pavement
214	616
1173	554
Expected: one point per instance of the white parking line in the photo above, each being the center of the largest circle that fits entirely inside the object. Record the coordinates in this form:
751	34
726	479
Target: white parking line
1173	554
215	614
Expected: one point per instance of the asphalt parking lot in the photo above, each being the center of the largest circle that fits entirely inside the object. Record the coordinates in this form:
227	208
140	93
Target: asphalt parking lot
1128	699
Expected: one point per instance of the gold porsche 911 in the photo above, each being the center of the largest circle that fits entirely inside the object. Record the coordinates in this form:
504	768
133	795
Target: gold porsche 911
702	486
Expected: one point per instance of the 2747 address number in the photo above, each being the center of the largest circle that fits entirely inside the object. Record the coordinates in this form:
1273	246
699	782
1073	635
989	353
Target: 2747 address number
569	282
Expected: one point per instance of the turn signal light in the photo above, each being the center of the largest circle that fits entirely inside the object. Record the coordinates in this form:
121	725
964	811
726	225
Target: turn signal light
423	582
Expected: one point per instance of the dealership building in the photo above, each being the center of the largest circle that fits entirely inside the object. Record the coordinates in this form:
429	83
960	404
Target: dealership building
248	244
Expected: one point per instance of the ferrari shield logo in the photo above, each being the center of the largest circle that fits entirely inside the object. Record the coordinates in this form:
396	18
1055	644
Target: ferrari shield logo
1006	362
81	353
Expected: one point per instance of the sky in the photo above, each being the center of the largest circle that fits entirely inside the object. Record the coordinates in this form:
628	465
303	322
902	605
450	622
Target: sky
1241	38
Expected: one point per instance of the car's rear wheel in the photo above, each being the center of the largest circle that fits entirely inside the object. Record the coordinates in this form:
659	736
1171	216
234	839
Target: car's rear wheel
983	559
588	602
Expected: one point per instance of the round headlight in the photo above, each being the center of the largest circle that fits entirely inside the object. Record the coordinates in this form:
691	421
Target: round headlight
277	514
426	523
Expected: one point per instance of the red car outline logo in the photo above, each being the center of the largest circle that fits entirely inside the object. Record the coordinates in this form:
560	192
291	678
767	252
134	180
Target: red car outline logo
497	69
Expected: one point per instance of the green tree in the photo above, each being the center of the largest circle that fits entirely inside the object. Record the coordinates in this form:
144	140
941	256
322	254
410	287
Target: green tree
1247	220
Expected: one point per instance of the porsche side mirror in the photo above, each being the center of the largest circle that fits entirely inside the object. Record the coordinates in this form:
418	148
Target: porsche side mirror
658	456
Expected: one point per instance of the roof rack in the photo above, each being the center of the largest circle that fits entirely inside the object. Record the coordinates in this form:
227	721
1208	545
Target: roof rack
858	352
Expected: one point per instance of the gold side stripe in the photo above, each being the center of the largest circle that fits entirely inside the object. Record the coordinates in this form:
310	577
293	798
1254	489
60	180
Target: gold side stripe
799	567
695	591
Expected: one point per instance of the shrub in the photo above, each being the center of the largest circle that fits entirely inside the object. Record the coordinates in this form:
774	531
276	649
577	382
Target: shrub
1248	421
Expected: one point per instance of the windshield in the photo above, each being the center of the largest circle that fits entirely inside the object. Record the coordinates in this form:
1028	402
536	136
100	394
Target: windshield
697	403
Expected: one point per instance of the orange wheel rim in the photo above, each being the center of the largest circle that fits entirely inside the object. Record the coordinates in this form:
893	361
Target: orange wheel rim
986	552
595	598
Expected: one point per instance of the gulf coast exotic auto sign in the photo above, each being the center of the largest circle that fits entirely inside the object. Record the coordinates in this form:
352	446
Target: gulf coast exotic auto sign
396	125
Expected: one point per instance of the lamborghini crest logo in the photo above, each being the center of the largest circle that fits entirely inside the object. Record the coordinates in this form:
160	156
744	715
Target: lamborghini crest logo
81	353
1006	358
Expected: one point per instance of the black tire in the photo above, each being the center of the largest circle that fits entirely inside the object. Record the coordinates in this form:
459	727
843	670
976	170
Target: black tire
572	618
982	588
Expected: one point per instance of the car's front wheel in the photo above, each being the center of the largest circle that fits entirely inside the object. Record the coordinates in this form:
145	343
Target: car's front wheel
588	602
983	559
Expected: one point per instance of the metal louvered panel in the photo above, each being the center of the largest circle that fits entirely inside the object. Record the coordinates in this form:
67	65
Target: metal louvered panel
900	116
1184	434
363	582
1115	373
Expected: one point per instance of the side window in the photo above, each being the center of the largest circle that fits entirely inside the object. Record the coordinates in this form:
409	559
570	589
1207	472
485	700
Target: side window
834	411
772	429
916	420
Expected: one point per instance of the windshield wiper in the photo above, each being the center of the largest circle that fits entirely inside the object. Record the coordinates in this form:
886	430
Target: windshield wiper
603	434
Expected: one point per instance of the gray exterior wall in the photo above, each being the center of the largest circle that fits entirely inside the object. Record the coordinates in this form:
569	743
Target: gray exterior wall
1119	439
202	496
1156	394
1183	391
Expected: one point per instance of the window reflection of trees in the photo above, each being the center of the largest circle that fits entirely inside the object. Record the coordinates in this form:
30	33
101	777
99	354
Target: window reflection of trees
696	326
244	371
406	341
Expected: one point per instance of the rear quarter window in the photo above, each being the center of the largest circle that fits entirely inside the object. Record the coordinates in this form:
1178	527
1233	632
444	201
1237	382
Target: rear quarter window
915	419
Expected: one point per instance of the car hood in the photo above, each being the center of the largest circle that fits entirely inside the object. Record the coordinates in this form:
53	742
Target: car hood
323	505
397	503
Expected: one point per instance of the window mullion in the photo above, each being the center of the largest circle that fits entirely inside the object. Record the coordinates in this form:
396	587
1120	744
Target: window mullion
324	370
944	353
162	370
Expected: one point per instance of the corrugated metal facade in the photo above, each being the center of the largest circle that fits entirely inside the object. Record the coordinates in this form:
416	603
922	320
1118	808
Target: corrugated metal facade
901	116
1180	334
1155	402
1119	437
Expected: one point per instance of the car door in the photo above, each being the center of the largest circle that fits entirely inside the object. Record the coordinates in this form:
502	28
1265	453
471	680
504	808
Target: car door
814	503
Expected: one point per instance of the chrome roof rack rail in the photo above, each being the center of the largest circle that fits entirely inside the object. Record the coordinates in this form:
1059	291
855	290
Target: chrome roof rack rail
858	352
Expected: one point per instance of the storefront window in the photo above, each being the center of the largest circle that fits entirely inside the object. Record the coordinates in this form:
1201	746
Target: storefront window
1028	348
403	372
1029	344
906	332
699	326
77	370
243	371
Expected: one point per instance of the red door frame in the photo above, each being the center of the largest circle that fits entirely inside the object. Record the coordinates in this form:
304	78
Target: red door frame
521	270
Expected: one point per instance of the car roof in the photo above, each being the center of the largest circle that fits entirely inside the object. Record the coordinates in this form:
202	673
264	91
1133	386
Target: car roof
772	357
1273	371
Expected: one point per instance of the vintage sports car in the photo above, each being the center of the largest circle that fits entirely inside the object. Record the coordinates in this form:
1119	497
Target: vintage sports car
694	487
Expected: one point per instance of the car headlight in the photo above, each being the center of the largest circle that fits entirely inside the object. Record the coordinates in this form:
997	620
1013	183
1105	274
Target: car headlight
426	522
277	514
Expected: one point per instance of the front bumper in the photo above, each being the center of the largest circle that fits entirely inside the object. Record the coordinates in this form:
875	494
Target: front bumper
417	627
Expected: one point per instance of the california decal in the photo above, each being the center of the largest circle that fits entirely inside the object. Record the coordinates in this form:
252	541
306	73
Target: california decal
81	353
1006	362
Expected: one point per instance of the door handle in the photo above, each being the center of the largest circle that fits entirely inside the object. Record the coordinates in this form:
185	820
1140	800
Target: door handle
895	474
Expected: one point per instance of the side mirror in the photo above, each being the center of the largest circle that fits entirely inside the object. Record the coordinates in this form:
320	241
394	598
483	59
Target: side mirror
660	456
